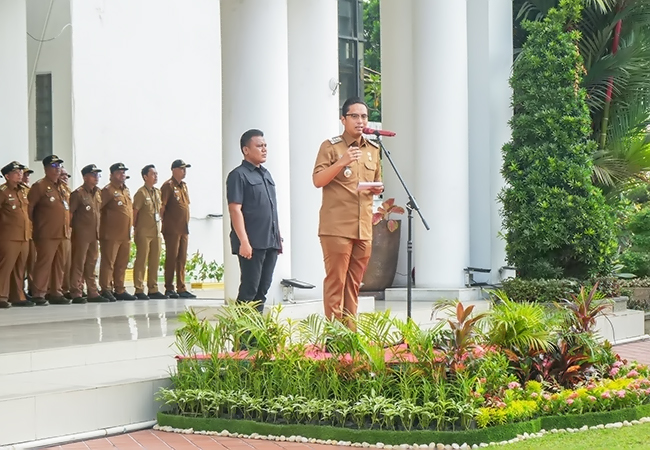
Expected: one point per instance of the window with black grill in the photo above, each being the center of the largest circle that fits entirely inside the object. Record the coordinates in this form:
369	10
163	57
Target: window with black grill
43	115
350	49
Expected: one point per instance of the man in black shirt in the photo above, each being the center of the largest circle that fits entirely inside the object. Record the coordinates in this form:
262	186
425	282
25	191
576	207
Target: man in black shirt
254	236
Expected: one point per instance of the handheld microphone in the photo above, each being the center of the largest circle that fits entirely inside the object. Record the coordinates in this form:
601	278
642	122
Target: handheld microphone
379	132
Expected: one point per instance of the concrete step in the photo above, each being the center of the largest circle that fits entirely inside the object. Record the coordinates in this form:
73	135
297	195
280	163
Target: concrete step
79	389
621	325
299	310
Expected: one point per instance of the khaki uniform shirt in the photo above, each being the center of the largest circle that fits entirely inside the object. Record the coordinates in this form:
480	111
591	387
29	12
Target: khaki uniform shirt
346	212
117	214
14	214
148	203
85	207
176	207
49	210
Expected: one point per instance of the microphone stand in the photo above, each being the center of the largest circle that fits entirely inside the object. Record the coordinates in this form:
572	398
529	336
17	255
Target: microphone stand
411	205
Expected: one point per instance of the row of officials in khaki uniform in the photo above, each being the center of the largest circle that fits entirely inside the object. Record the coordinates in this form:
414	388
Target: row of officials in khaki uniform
53	236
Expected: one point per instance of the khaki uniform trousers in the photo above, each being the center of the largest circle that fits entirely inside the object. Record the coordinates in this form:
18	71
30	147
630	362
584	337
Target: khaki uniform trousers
13	257
112	267
175	259
49	264
147	255
82	268
31	260
67	260
345	263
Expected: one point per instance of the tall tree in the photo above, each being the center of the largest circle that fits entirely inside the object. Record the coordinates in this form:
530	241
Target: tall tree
557	223
615	45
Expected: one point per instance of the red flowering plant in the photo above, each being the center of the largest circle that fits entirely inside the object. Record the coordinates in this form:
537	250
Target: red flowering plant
383	213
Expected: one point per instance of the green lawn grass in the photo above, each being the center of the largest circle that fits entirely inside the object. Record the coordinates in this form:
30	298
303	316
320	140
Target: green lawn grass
636	437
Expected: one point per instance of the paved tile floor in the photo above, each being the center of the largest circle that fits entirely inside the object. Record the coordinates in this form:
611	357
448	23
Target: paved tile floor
154	440
635	351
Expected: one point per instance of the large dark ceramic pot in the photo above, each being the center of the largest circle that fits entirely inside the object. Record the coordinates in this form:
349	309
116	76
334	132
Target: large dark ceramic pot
383	261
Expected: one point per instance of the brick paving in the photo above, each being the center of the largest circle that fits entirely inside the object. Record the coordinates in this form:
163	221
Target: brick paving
154	440
635	351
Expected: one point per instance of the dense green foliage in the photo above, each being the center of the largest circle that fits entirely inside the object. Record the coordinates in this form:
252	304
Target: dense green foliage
615	46
553	290
557	223
514	363
636	259
629	438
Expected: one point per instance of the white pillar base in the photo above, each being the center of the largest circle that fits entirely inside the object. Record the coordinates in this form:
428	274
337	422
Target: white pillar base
433	294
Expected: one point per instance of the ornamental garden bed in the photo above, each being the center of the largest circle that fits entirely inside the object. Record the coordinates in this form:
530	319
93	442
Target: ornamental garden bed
486	376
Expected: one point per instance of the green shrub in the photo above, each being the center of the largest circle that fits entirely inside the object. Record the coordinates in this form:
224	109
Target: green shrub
557	223
549	291
544	291
636	259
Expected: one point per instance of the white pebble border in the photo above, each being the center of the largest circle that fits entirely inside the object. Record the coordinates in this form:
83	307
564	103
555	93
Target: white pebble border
433	445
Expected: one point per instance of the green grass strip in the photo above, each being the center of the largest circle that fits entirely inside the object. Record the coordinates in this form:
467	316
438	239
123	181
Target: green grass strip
487	435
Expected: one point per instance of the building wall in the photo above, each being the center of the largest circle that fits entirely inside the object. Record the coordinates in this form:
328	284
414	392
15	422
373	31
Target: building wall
54	58
146	89
13	82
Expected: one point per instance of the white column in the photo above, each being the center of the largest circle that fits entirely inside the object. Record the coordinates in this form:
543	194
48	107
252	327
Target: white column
397	109
14	131
480	195
256	95
440	116
313	117
501	56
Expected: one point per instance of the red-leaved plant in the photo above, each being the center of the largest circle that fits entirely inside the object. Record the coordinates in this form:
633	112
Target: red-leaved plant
384	211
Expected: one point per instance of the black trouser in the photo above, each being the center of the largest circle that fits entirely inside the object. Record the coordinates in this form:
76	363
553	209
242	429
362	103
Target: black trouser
256	276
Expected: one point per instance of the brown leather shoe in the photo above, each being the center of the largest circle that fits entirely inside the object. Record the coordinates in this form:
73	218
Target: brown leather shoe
4	304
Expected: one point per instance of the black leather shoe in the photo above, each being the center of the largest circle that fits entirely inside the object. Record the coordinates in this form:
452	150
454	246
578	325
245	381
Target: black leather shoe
4	304
79	301
108	295
171	294
68	295
141	296
22	303
59	300
186	294
158	296
98	299
124	296
39	301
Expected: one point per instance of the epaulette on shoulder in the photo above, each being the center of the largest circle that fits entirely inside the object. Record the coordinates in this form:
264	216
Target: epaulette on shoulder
79	189
3	187
335	139
373	143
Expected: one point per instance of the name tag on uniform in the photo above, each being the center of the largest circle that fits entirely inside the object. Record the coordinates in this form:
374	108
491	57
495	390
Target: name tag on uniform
156	217
65	205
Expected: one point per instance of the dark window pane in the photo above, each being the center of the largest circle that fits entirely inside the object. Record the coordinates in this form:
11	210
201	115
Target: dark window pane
347	18
43	98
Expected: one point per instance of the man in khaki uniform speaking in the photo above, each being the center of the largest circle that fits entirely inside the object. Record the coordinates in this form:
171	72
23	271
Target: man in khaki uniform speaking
85	207
15	234
175	213
148	240
345	228
50	214
115	235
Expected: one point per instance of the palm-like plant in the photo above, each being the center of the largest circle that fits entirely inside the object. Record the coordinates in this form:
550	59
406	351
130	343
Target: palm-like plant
520	327
615	47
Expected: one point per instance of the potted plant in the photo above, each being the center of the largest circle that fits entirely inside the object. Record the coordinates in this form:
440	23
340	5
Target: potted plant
385	247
